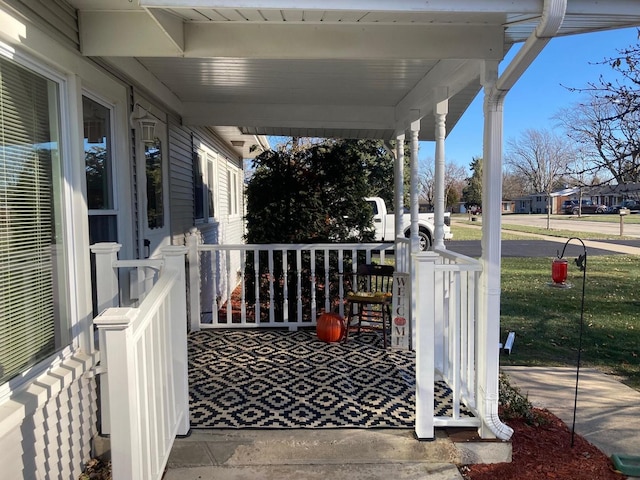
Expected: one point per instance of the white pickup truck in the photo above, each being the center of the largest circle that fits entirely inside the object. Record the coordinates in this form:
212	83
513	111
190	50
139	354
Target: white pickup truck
384	224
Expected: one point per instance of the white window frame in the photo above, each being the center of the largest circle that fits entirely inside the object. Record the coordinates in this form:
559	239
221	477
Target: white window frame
114	164
209	168
65	93
234	188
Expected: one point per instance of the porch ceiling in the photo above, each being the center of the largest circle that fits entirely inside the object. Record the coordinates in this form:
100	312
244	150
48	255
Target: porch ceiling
331	68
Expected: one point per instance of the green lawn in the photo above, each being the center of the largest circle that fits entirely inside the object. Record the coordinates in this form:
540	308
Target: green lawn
547	320
561	233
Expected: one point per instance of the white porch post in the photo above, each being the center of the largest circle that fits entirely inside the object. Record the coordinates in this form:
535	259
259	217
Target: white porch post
440	112
489	302
423	311
399	185
415	206
107	290
106	255
174	257
192	240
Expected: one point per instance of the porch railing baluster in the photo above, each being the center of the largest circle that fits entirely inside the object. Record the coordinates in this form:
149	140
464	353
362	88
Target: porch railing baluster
285	287
314	312
243	306
341	282
256	268
299	286
229	287
271	278
327	281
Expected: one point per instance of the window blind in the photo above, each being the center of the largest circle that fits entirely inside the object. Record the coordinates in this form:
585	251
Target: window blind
31	240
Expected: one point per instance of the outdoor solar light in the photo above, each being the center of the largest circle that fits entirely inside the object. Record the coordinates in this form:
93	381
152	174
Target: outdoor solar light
559	271
145	122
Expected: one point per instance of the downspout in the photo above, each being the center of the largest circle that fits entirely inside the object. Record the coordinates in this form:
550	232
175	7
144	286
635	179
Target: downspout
496	89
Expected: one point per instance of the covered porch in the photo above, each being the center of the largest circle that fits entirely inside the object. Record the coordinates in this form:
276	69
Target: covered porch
394	73
273	372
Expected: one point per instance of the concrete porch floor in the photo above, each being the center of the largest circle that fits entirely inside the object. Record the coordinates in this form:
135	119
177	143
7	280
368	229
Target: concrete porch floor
328	454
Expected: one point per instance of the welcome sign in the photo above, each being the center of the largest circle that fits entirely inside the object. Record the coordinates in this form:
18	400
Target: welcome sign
401	313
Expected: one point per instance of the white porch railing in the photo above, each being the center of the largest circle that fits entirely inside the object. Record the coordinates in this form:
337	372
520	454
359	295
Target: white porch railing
144	360
445	308
276	285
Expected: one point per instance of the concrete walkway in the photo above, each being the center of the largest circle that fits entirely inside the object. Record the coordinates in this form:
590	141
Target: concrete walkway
324	454
608	412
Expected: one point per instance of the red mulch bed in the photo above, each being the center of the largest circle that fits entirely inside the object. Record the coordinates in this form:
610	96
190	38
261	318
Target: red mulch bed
544	451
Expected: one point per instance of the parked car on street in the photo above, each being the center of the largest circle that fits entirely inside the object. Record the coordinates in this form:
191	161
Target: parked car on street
632	205
567	206
571	207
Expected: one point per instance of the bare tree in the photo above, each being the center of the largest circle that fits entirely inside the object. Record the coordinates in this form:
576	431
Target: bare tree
607	125
454	181
608	137
513	186
541	158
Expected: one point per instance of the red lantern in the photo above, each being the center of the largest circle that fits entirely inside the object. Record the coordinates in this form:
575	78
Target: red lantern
330	327
559	271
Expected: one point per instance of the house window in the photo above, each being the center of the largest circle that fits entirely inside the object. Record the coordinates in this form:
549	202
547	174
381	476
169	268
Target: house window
34	307
204	169
155	198
99	170
234	197
98	161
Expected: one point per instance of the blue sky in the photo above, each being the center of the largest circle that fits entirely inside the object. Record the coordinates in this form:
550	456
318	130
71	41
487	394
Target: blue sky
539	93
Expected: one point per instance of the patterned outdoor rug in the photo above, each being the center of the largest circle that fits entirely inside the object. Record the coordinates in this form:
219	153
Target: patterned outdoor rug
282	379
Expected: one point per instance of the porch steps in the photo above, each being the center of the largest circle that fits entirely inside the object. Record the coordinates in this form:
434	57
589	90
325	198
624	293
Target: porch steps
325	454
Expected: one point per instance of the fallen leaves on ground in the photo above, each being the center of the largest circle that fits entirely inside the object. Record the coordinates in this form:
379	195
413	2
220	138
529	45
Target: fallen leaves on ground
96	469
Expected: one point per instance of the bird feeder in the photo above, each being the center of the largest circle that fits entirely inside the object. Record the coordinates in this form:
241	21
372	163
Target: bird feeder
559	268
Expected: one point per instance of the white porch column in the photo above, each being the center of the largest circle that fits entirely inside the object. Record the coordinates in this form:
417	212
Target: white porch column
423	310
415	205
399	185
489	308
440	112
107	289
174	257
192	240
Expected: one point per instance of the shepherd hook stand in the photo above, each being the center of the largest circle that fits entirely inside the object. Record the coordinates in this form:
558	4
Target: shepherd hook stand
581	262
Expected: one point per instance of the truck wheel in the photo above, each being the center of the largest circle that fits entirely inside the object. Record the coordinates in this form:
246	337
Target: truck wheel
425	241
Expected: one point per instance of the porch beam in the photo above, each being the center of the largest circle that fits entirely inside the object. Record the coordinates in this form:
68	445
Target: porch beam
455	74
171	26
343	41
465	6
303	116
441	108
130	34
138	34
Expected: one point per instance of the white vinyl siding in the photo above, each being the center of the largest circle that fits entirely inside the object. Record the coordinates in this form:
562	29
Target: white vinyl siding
34	317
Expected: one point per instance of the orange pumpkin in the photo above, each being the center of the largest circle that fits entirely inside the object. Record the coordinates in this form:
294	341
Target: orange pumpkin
330	327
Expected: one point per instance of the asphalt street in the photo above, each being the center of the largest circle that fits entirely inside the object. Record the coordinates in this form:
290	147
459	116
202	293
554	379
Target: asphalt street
539	246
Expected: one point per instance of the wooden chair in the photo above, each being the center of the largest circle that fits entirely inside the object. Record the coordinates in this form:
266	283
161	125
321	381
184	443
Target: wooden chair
371	301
